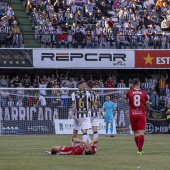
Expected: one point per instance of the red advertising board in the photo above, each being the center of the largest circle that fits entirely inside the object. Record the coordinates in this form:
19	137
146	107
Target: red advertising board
152	59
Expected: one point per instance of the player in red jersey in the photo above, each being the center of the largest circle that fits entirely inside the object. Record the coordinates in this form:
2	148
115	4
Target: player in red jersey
80	148
139	110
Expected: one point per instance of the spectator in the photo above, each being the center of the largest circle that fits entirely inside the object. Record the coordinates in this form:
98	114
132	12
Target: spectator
166	90
19	103
164	40
54	39
2	37
10	13
88	8
43	84
102	41
165	25
133	40
17	39
74	27
154	100
79	17
64	94
110	22
121	84
121	40
16	81
3	81
71	20
156	40
46	39
146	85
95	40
115	30
149	22
70	40
62	39
89	43
11	102
110	82
20	93
146	4
153	81
78	39
146	41
162	82
167	100
15	27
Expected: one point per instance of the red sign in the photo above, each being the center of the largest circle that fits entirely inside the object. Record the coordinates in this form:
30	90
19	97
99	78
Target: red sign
152	59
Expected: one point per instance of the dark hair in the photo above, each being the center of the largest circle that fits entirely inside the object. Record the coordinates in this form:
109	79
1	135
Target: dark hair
80	82
90	83
88	152
136	81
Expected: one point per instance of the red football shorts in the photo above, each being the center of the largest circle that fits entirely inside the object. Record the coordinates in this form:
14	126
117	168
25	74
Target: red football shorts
138	123
67	150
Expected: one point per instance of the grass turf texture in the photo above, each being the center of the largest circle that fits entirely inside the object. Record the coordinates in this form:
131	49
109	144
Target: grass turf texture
119	153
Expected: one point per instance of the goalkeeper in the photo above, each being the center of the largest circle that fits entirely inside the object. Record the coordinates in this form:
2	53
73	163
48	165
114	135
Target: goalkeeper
109	111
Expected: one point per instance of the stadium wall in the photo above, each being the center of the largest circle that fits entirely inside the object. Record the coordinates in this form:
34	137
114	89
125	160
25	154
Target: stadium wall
84	59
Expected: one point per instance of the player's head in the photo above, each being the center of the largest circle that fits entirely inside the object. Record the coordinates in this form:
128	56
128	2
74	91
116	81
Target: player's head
108	98
136	82
81	85
88	152
39	94
90	84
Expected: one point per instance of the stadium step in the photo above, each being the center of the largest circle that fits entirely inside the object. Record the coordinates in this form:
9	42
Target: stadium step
25	24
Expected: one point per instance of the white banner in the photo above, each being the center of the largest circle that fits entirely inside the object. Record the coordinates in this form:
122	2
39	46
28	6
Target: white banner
83	58
65	126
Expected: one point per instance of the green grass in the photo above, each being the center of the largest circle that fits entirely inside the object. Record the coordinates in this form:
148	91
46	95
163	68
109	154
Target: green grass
27	153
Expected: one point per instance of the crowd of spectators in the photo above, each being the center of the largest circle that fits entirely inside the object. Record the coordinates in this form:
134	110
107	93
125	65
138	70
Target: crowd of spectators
155	85
90	23
10	32
100	24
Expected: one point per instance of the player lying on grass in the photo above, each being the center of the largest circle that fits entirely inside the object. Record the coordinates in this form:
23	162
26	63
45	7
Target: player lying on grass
80	148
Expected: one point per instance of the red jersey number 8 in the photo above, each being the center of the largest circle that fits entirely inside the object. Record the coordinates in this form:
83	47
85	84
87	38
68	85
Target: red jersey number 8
136	100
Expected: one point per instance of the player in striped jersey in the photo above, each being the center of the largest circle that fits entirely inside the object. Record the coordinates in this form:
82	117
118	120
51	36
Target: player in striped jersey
80	107
80	148
94	108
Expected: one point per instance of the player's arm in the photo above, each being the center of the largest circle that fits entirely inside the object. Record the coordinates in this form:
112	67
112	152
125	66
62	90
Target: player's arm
147	108
114	111
77	140
73	106
37	102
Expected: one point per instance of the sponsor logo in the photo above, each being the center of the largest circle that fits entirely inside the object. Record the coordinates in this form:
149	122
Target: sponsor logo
152	59
149	128
61	126
117	59
37	128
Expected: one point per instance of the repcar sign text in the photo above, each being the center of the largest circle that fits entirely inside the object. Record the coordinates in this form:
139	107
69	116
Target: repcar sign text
85	58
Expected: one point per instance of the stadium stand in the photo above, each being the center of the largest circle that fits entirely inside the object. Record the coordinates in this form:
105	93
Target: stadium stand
98	24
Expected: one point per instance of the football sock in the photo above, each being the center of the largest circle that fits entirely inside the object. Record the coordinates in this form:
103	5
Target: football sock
137	140
95	135
140	142
53	152
111	128
88	138
107	130
85	137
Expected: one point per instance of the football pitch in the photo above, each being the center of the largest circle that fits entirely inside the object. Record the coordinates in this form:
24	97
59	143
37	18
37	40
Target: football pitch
118	153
